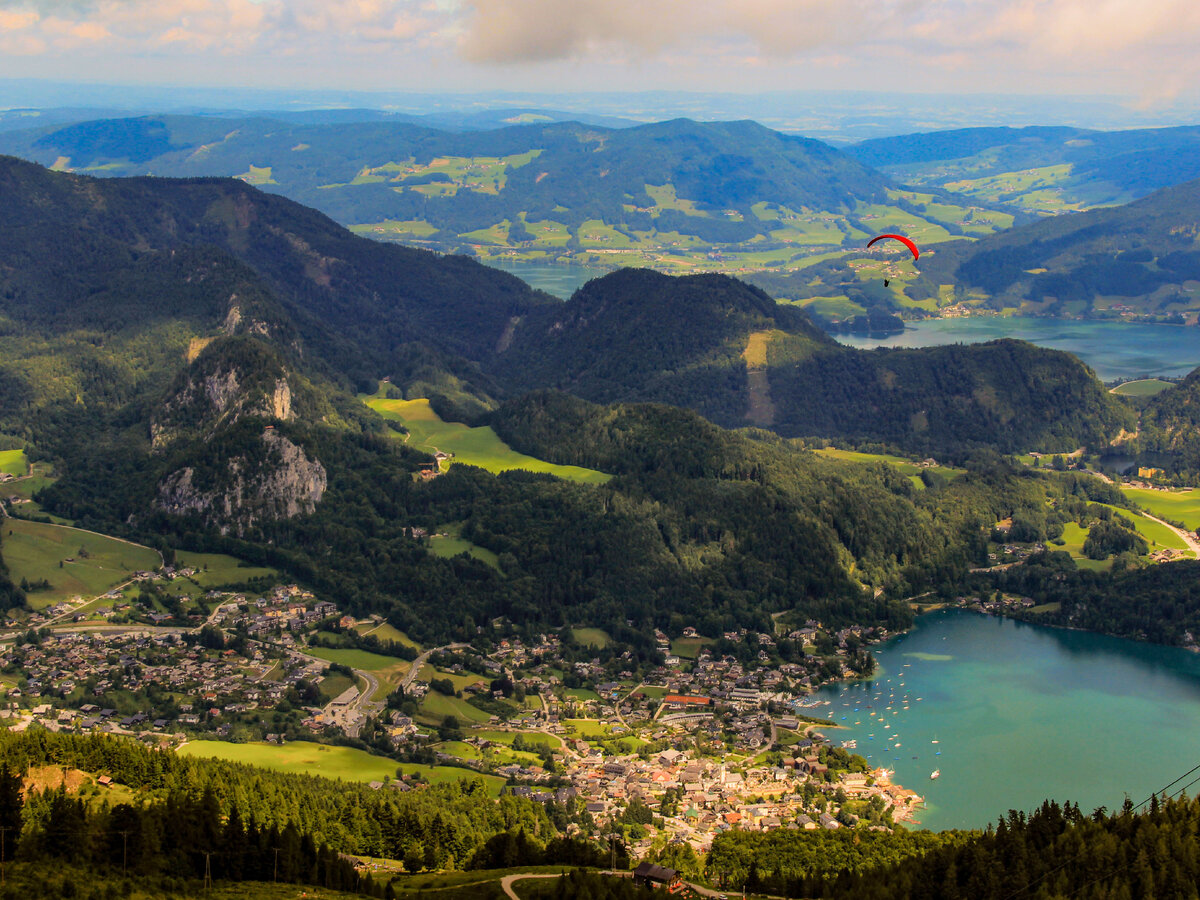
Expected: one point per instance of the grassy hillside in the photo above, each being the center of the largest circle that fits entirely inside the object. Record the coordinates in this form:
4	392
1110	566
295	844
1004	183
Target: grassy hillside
74	562
470	446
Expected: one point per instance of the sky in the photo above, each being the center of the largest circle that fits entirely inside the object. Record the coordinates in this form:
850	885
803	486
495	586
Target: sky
1144	50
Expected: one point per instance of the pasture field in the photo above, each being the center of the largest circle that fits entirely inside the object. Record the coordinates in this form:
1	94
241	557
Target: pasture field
665	197
415	228
1143	387
436	706
452	544
358	659
333	686
344	763
217	569
592	637
906	466
588	729
13	462
471	446
299	758
1157	536
507	737
34	550
688	648
388	632
460	680
1177	506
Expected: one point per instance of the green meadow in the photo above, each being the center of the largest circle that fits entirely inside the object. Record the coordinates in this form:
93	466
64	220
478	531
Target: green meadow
472	446
217	569
388	670
1143	387
34	551
345	763
13	462
592	637
450	543
1176	506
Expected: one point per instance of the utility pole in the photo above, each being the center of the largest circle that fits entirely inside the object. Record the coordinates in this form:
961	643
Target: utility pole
124	851
207	873
3	853
276	878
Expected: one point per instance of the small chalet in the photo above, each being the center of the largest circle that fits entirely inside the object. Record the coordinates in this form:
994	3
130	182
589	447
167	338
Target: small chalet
650	875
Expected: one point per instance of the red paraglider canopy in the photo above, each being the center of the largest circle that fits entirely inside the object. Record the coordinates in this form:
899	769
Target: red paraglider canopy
902	239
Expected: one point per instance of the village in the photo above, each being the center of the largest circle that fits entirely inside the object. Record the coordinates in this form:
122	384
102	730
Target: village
696	745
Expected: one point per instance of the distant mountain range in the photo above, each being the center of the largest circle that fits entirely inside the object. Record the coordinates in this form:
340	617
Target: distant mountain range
1046	170
1141	258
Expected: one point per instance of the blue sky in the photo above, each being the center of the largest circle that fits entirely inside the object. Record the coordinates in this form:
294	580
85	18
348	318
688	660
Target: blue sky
1144	49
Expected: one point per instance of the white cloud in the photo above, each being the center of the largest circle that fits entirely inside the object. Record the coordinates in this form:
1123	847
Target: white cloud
1144	47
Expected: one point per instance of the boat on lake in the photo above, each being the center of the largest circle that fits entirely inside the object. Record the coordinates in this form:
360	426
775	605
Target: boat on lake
936	773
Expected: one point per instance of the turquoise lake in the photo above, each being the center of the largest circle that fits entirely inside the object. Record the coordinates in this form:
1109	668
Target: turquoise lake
1115	350
1020	713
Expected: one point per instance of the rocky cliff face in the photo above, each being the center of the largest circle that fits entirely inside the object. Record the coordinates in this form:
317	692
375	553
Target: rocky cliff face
273	479
230	380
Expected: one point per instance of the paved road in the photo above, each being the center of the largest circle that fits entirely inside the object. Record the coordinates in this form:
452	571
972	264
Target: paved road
507	882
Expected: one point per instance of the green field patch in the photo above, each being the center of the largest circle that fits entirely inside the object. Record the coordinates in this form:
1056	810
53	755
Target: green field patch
592	637
13	462
664	197
688	647
449	543
907	466
343	763
1177	506
258	175
333	686
460	680
507	737
440	189
459	749
388	632
36	551
472	446
358	659
415	228
436	706
588	729
595	233
834	309
1143	387
217	569
879	218
299	758
547	232
493	234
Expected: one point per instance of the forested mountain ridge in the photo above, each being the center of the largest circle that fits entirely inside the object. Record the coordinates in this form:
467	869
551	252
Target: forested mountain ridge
694	341
187	352
72	242
1140	258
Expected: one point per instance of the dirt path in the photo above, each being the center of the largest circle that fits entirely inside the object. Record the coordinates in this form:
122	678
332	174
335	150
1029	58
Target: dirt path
762	407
